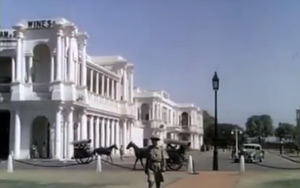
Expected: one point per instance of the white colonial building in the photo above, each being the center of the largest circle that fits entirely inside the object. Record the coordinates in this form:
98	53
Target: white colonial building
53	92
158	114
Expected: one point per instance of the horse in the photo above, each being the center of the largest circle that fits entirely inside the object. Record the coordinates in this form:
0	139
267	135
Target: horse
105	151
140	153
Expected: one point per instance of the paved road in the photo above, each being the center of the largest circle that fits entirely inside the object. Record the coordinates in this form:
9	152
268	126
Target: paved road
203	162
272	162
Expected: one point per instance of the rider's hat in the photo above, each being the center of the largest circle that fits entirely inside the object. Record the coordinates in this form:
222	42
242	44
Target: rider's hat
155	137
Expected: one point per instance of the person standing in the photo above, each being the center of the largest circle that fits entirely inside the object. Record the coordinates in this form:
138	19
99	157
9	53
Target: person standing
122	153
155	163
44	151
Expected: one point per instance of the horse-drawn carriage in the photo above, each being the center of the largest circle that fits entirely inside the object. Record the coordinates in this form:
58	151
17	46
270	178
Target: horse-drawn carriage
176	153
83	153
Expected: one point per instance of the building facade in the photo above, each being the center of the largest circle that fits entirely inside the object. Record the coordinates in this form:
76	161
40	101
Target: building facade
53	92
158	114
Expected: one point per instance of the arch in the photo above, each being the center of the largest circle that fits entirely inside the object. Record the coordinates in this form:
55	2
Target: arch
40	137
184	119
41	63
145	111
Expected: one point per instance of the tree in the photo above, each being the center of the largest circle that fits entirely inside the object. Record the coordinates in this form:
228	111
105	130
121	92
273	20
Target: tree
226	134
208	122
285	130
259	126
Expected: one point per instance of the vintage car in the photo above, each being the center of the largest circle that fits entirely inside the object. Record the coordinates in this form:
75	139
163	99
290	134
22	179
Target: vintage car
252	153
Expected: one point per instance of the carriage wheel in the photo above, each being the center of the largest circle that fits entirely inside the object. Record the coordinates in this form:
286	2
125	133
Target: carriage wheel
86	160
78	160
175	164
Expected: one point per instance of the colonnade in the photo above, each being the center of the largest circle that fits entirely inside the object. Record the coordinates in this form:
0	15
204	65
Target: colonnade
104	131
103	85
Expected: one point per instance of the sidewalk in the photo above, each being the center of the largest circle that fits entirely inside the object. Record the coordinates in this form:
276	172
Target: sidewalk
209	180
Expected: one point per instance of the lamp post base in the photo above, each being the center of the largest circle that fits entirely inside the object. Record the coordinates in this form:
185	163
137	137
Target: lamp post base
215	161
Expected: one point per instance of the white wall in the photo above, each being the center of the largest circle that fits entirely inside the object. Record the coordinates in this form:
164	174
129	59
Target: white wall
138	136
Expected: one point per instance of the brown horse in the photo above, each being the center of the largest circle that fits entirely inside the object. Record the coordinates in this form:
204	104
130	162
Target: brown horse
105	151
140	153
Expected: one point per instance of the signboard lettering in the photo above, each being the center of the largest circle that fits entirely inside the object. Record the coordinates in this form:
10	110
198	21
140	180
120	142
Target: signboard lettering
8	34
40	24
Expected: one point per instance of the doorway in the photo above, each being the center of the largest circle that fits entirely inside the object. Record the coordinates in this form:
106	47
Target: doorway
40	138
4	134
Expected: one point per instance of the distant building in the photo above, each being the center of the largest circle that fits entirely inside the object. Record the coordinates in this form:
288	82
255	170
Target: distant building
157	113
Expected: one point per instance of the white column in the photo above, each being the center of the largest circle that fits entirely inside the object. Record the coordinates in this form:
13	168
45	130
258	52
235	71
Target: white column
63	59
91	80
58	55
70	133
130	131
58	125
112	132
65	139
131	86
92	130
19	72
117	90
102	84
118	135
52	68
83	125
153	111
71	60
17	134
13	69
125	86
113	89
108	125
78	135
29	71
102	132
97	133
124	133
83	70
192	141
77	76
107	87
97	83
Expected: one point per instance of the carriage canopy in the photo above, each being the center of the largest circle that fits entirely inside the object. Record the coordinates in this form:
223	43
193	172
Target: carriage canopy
177	142
81	142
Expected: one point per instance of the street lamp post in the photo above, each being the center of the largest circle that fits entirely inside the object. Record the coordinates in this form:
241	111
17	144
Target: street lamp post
236	132
215	83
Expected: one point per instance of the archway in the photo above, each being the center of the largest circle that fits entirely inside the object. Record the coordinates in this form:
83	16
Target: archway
41	64
145	111
4	134
40	137
184	119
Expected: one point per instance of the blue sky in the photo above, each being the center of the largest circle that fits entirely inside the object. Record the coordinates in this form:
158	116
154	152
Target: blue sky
177	45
